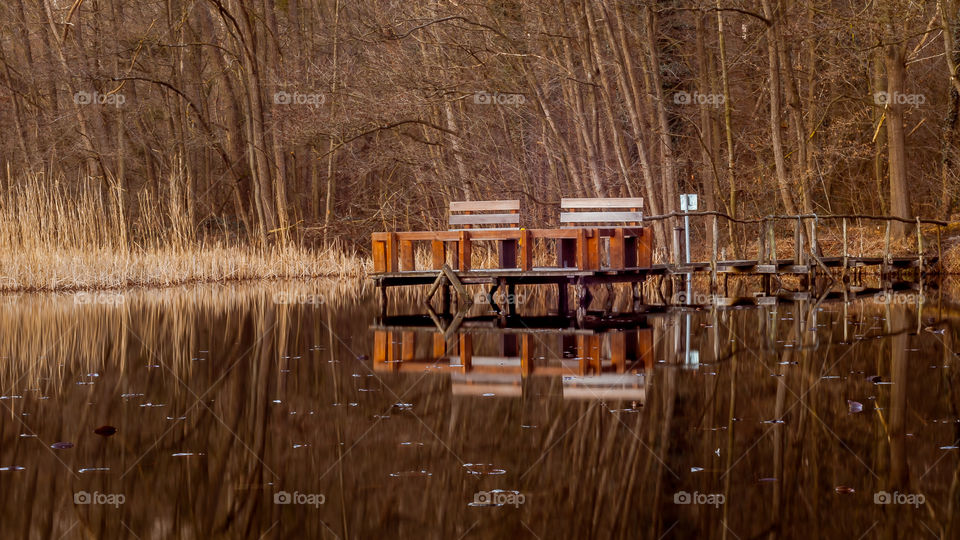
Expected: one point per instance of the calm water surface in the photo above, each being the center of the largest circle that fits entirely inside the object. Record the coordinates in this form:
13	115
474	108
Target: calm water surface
288	410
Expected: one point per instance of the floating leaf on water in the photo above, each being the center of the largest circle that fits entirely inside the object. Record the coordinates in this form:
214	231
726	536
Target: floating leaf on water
411	474
481	469
854	406
105	431
844	490
61	445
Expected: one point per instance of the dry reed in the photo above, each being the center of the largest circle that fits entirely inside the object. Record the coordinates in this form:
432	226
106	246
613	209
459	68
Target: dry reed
54	236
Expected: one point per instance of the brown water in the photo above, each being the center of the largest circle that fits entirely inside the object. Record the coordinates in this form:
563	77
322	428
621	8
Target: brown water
790	421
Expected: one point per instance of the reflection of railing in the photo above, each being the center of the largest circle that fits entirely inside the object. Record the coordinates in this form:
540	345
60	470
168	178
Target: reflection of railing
598	362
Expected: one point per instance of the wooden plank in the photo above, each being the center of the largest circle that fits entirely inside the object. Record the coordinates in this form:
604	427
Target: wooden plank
600	217
438	254
464	251
593	251
645	249
406	256
611	202
617	260
482	206
379	256
484	219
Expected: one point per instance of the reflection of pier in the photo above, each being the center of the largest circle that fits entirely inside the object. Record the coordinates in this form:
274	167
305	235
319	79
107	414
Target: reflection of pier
496	355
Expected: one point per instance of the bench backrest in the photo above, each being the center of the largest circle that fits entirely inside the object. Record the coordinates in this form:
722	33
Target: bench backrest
469	214
612	211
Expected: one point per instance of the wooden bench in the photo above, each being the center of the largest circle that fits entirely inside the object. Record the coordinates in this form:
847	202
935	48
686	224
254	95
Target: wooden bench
471	214
615	218
486	215
579	242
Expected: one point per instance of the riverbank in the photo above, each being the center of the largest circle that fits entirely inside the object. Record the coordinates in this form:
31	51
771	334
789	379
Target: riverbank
56	236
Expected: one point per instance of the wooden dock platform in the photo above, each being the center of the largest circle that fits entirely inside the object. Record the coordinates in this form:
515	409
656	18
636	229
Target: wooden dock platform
586	256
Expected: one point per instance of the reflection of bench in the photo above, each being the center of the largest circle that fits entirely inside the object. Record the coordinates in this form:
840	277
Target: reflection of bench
615	218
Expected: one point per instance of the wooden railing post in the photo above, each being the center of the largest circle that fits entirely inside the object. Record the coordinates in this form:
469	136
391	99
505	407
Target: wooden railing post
845	251
526	251
713	255
438	252
464	250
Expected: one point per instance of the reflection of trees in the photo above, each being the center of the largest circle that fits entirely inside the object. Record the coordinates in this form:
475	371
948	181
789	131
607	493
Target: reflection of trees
584	466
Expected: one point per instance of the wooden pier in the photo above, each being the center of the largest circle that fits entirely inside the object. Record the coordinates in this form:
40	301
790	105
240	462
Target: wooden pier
603	253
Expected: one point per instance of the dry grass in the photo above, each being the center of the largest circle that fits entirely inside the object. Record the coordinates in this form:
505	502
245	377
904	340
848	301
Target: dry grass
55	237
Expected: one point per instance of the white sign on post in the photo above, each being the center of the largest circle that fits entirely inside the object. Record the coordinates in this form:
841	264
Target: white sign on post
688	202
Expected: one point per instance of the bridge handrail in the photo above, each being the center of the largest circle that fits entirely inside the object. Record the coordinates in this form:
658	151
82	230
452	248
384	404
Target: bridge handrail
787	217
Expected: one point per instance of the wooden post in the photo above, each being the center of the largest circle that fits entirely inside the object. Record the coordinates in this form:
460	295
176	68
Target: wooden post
919	247
886	253
464	250
763	255
677	232
526	251
813	250
798	242
392	255
713	257
771	235
845	251
438	253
